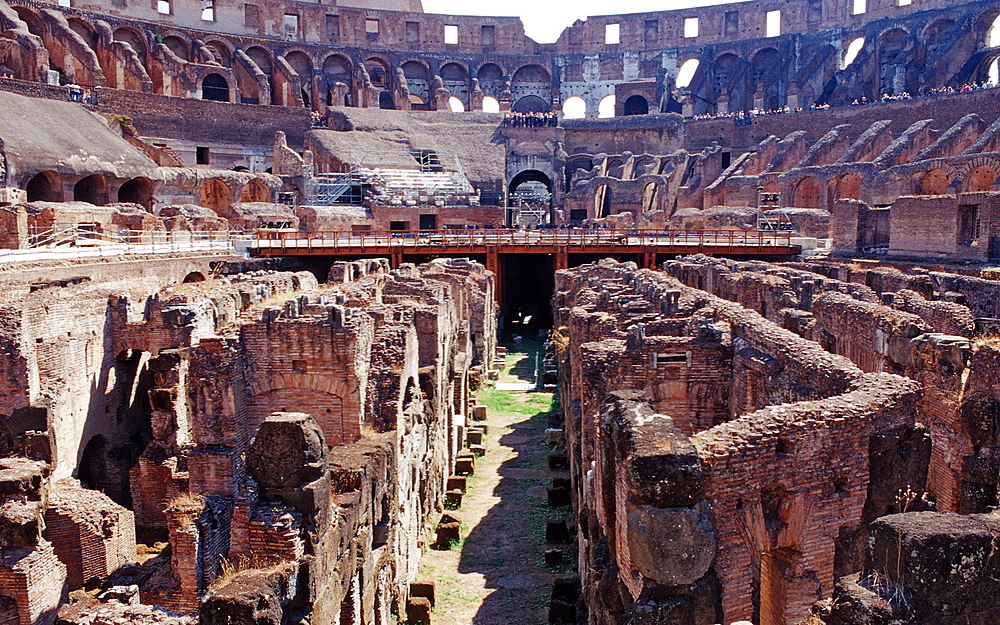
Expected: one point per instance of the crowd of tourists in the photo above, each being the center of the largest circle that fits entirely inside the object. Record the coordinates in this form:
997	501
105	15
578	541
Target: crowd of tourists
317	119
530	120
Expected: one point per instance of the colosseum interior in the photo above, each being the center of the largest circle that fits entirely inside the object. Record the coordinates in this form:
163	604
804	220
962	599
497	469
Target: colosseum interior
348	313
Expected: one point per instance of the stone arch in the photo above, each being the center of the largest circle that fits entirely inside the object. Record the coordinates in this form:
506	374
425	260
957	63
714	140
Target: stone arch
935	182
194	276
338	69
980	178
134	39
491	104
92	469
303	66
378	71
763	72
726	84
686	72
178	46
635	105
529	176
851	51
138	191
891	49
849	187
455	77
491	80
262	58
418	81
85	30
93	189
533	80
45	186
215	87
531	104
575	164
806	193
216	194
606	107
255	191
574	107
221	52
31	20
987	28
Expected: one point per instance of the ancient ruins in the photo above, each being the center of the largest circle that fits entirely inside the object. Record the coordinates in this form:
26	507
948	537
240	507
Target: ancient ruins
257	261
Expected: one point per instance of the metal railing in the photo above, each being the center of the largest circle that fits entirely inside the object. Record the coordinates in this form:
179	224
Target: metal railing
285	240
76	243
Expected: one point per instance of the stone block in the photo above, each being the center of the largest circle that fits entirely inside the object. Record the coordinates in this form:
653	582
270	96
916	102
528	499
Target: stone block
479	413
418	610
558	460
478	450
423	589
553	557
448	531
465	464
555	437
457	482
474	437
556	532
452	499
671	546
558	496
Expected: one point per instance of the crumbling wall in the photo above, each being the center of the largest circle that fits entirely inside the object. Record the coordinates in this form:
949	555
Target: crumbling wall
770	536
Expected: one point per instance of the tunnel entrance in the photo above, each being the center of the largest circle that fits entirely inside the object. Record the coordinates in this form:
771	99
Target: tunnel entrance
528	283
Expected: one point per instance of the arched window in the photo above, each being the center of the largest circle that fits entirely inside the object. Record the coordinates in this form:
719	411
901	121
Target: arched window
491	105
686	73
851	52
574	108
607	106
636	105
215	87
456	105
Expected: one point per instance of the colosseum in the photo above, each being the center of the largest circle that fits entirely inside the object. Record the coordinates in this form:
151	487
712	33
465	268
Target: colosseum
347	313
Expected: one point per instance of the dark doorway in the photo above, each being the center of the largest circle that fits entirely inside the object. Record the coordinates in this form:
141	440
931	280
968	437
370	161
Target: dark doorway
44	187
531	104
528	283
137	191
428	222
636	105
93	189
215	87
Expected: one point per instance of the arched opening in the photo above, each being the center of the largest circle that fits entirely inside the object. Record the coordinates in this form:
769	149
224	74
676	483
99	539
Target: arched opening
686	73
577	164
530	187
574	107
851	52
980	179
304	70
456	105
532	80
93	189
456	80
178	46
636	105
337	69
262	59
849	187
417	81
255	191
138	191
216	194
935	182
491	105
726	82
806	193
220	52
531	104
891	62
44	187
135	41
378	72
194	276
85	31
993	73
33	22
490	80
93	468
993	33
215	87
606	108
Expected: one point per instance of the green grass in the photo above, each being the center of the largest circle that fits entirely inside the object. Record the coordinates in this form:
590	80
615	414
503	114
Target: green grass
502	402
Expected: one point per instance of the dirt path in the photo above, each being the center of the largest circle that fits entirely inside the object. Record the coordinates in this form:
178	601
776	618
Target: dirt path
497	574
